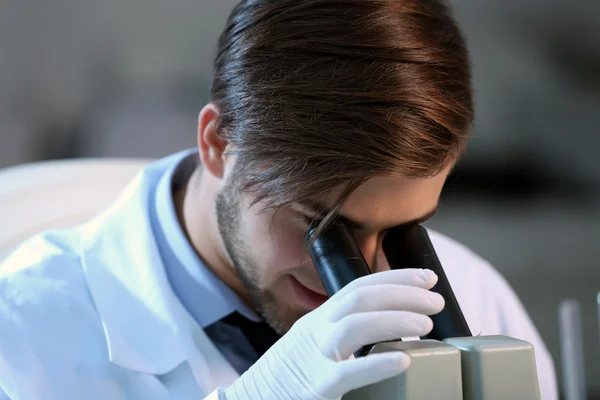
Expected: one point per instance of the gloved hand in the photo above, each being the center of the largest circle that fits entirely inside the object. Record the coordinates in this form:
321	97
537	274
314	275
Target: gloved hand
314	359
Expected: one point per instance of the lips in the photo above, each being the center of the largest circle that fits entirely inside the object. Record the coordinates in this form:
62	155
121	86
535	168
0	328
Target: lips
309	298
320	291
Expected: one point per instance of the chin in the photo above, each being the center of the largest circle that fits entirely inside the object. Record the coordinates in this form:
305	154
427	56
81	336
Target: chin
281	316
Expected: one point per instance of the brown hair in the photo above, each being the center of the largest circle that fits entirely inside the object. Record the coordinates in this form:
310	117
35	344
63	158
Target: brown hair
315	94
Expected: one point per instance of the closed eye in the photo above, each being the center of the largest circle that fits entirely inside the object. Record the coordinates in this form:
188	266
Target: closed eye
306	219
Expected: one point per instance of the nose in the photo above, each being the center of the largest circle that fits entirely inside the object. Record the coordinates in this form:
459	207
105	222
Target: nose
370	245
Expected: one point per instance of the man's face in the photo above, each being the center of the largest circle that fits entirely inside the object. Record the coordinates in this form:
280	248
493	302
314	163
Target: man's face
268	249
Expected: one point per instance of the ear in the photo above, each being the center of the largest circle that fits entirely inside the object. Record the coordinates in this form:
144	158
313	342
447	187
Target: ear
210	145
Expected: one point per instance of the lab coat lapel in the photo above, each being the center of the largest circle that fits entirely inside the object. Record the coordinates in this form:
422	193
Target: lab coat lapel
222	372
146	327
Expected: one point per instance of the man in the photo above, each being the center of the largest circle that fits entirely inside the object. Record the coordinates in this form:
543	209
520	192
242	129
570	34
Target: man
320	109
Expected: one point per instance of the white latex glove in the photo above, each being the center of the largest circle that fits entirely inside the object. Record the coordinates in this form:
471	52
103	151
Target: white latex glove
314	359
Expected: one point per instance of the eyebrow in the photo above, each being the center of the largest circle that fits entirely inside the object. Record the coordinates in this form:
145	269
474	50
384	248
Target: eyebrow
316	212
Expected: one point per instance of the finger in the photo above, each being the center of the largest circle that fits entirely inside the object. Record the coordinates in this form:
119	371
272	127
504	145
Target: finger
388	297
357	330
423	278
352	374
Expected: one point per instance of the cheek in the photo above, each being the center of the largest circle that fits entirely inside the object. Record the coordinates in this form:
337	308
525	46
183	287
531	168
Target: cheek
276	247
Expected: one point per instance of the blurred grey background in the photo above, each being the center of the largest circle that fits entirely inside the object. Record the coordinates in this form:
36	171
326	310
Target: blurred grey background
118	78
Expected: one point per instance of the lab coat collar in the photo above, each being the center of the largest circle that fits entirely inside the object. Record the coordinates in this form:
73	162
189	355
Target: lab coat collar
182	264
146	327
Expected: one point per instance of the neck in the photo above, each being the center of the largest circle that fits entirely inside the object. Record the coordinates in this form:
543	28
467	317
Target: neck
195	205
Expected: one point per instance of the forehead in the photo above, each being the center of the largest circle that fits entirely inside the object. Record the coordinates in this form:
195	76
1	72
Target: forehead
383	202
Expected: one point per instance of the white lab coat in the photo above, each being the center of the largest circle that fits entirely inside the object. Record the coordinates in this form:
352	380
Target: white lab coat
88	313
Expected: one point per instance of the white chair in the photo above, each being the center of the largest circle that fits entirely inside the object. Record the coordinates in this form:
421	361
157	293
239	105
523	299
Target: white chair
55	194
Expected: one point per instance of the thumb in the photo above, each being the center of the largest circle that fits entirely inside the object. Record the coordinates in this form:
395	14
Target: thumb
363	371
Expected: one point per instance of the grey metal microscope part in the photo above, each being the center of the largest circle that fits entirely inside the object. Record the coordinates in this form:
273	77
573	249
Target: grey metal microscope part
434	373
497	368
598	307
470	368
571	346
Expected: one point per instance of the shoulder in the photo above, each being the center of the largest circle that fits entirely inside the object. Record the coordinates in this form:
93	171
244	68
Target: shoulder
490	305
464	265
46	266
47	317
454	253
489	302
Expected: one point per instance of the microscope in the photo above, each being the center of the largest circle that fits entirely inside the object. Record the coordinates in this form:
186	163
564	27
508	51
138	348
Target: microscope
449	363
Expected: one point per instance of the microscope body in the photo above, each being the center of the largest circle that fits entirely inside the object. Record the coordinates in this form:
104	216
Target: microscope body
449	363
469	368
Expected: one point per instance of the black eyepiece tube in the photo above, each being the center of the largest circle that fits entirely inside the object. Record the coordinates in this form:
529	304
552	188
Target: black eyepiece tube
410	247
337	258
338	261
